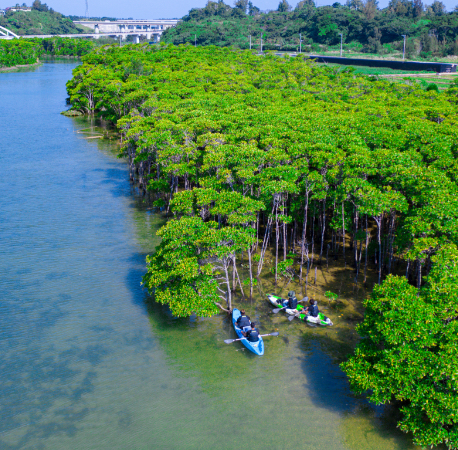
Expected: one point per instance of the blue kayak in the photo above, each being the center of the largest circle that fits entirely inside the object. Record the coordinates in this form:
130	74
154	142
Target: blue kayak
255	347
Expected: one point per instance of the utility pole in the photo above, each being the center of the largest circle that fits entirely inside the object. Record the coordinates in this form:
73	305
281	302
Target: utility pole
300	42
120	37
195	40
404	49
341	37
261	42
250	41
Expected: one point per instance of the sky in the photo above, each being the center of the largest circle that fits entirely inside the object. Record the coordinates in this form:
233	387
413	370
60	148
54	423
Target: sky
154	9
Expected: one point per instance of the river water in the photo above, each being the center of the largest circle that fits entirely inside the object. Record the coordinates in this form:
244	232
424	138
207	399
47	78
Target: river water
89	362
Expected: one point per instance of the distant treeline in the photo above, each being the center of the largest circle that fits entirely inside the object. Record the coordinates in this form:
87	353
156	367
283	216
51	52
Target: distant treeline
40	20
430	30
27	51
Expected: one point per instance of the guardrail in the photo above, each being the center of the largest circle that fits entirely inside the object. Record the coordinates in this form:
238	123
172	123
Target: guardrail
397	65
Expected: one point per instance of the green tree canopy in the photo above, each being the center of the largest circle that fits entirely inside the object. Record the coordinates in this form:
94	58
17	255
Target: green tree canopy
362	23
409	351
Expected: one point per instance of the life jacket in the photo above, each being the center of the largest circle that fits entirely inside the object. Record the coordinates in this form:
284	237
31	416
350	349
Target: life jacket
252	335
313	310
243	321
292	302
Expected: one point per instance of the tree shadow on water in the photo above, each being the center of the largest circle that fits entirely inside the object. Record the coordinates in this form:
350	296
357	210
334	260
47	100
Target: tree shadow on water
328	386
364	425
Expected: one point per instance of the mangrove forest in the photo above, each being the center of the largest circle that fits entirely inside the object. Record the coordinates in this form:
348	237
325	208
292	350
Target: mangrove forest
270	167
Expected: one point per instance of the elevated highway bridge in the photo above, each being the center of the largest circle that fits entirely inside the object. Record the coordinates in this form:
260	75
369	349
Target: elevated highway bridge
147	28
151	29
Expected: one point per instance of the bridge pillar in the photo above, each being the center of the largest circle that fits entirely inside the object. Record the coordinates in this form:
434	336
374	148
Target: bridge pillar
148	36
136	39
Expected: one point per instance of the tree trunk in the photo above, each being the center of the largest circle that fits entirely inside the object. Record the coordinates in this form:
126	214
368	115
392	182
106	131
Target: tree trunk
226	263
264	245
323	228
304	232
233	274
367	245
266	235
249	250
285	244
343	234
237	273
355	243
358	263
277	237
379	220
313	236
307	275
419	278
390	248
257	230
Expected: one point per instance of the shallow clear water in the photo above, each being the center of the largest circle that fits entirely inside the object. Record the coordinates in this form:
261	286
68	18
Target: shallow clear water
88	362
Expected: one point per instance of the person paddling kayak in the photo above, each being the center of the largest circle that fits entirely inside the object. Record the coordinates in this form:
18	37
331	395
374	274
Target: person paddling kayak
243	321
291	301
253	334
312	309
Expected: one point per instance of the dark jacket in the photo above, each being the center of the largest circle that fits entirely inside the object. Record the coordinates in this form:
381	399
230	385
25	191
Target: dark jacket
292	302
313	310
243	321
252	335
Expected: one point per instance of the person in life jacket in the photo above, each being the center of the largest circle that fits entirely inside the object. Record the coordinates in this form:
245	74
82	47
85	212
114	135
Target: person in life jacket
291	301
253	334
312	309
243	321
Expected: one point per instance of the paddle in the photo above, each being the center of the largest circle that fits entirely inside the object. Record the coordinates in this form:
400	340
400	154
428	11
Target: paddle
298	314
290	318
230	341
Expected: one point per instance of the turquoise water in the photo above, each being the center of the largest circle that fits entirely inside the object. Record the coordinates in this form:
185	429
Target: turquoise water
88	362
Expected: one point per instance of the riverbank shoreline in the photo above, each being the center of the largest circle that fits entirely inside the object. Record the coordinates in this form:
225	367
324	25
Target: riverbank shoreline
43	58
57	57
19	67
